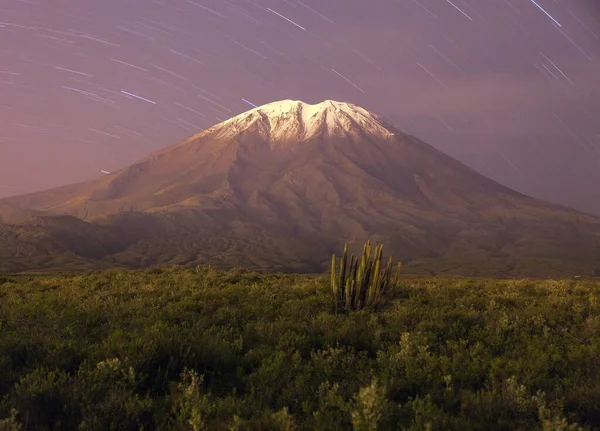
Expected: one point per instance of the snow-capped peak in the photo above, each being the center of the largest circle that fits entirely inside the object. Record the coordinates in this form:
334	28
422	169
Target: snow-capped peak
296	120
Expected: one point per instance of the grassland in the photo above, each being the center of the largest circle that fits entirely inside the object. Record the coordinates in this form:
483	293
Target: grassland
181	349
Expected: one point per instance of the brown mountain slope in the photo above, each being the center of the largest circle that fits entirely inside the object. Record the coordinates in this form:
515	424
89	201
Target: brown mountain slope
284	185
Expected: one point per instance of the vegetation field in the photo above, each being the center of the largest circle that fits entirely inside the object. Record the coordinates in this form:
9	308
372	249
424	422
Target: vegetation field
181	349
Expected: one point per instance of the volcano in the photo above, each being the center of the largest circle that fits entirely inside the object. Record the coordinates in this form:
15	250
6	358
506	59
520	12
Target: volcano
281	187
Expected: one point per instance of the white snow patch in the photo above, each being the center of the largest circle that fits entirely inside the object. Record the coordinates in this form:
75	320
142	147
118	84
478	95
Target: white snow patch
296	120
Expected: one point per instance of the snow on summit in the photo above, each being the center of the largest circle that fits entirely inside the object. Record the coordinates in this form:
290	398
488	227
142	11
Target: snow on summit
296	120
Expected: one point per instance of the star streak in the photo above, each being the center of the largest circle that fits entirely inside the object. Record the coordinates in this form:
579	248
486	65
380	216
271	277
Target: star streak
348	81
138	97
285	18
547	14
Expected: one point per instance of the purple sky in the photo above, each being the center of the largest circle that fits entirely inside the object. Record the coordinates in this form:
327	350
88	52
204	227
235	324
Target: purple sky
511	87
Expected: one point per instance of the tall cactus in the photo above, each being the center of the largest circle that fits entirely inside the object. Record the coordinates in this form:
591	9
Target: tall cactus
361	283
334	288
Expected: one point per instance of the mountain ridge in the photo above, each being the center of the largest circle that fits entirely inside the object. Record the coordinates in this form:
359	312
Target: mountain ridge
314	176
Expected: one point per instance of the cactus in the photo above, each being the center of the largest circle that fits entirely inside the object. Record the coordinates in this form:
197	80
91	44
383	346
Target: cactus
361	283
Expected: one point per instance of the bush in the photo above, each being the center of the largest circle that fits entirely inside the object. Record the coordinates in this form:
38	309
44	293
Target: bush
182	350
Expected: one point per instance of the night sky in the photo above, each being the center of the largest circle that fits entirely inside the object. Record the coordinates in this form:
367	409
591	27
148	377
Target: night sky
510	87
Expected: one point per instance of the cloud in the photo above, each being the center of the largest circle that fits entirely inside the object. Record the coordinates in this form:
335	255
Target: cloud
491	94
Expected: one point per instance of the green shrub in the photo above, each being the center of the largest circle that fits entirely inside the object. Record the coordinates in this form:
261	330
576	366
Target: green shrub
230	350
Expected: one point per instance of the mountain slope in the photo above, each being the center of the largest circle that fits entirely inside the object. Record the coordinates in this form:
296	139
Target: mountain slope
284	185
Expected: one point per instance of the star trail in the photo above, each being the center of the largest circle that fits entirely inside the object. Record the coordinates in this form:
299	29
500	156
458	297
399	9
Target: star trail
510	87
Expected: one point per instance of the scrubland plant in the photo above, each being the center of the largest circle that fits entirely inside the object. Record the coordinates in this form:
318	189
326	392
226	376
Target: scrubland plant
234	350
361	282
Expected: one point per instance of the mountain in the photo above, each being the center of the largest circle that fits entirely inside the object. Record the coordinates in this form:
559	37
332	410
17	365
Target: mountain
281	187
